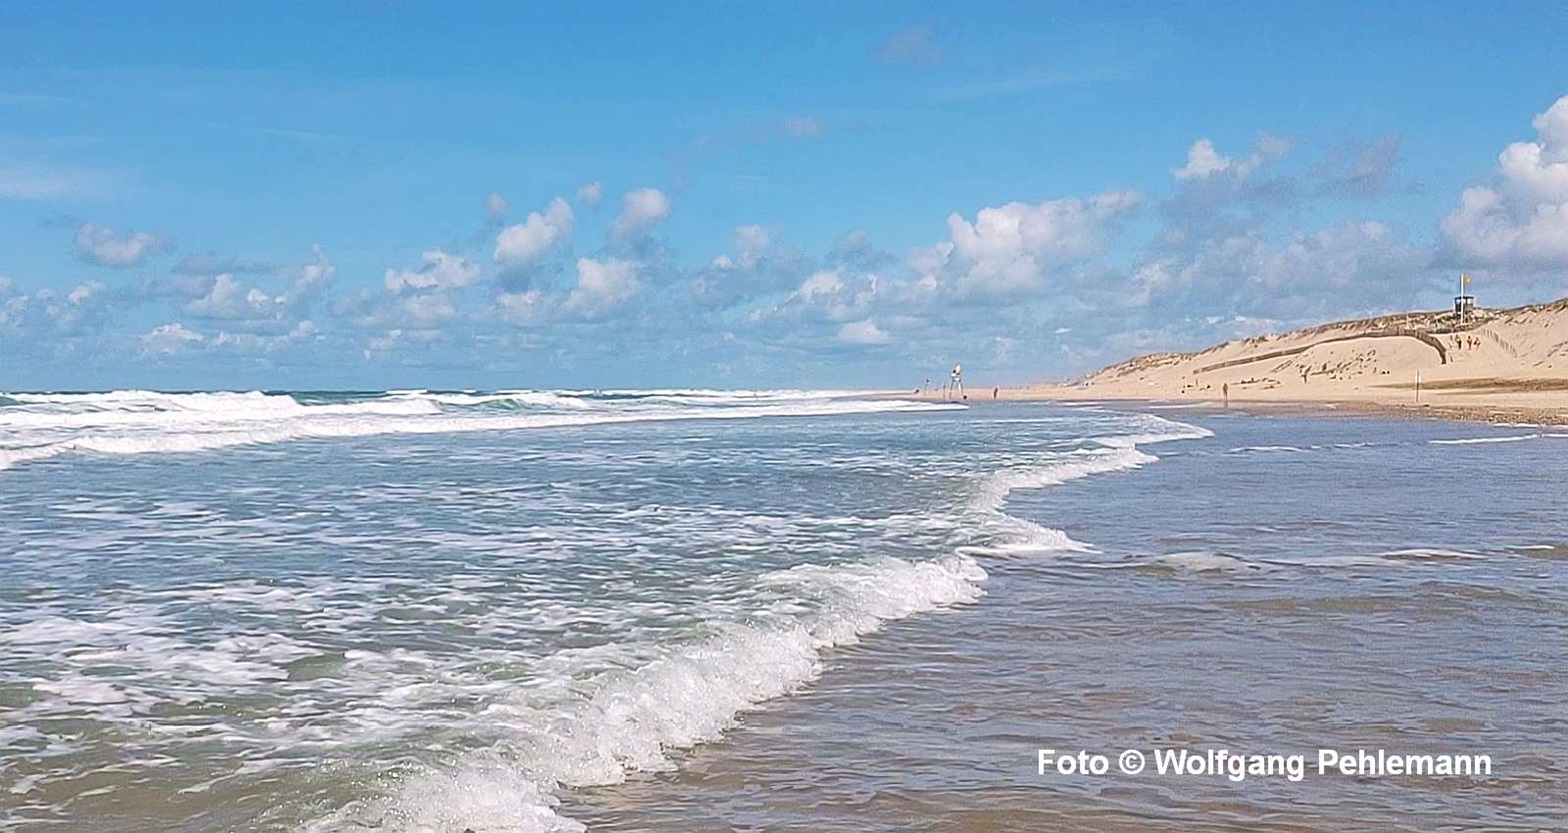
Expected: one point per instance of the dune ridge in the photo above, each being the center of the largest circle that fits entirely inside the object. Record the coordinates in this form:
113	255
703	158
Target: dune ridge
1499	365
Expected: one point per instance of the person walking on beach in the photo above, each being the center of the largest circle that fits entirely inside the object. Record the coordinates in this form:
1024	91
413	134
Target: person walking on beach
1225	392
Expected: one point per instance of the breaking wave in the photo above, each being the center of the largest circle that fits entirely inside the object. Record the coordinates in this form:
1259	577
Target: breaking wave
632	721
40	426
1104	454
591	716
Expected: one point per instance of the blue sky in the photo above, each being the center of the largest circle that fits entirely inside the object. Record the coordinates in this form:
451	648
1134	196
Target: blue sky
449	195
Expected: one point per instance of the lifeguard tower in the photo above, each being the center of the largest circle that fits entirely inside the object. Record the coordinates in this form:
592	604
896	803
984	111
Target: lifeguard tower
1464	303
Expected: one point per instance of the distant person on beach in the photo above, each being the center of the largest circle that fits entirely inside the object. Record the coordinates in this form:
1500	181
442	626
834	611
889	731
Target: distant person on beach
1225	392
995	391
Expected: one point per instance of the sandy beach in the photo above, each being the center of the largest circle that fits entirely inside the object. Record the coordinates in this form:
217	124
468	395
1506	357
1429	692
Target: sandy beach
1503	366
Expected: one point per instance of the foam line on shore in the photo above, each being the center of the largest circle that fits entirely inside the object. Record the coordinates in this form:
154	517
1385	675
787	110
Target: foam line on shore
634	720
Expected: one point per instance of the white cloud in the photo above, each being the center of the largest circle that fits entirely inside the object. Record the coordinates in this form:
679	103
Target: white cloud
929	261
1522	220
750	242
168	339
314	276
425	311
45	313
525	242
13	306
837	295
230	300
84	303
1204	161
1008	248
440	271
84	292
495	207
253	343
640	210
590	194
820	284
102	246
603	284
1334	259
225	297
523	308
862	332
802	127
1343	269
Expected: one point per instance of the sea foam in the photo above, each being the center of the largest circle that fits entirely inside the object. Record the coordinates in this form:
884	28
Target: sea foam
634	720
1010	535
537	718
146	422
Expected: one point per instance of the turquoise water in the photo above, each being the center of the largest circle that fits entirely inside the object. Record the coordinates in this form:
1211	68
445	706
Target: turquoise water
713	610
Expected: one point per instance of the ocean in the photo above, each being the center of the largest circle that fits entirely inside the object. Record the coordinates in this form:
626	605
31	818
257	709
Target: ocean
744	610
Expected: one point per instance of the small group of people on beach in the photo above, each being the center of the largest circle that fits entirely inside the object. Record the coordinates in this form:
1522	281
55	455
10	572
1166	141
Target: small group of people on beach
1462	342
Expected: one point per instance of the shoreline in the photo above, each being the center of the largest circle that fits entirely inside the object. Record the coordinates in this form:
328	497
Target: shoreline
1487	412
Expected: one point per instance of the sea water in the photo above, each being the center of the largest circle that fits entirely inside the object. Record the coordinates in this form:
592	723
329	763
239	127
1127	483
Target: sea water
707	610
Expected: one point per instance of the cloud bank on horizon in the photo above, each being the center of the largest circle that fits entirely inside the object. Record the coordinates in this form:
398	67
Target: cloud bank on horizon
730	226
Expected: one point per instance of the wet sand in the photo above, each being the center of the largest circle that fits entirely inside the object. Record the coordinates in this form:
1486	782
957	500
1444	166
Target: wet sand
1548	407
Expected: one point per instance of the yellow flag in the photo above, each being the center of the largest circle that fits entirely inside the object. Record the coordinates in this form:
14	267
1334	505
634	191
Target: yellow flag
1466	278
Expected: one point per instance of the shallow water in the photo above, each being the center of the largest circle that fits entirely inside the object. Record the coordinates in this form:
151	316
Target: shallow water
538	612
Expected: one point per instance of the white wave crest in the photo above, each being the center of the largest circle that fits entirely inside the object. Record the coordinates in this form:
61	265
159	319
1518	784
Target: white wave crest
1488	440
1431	554
994	490
1012	535
634	720
531	398
1207	562
141	422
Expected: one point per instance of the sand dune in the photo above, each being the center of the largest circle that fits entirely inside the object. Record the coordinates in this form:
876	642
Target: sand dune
1504	365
